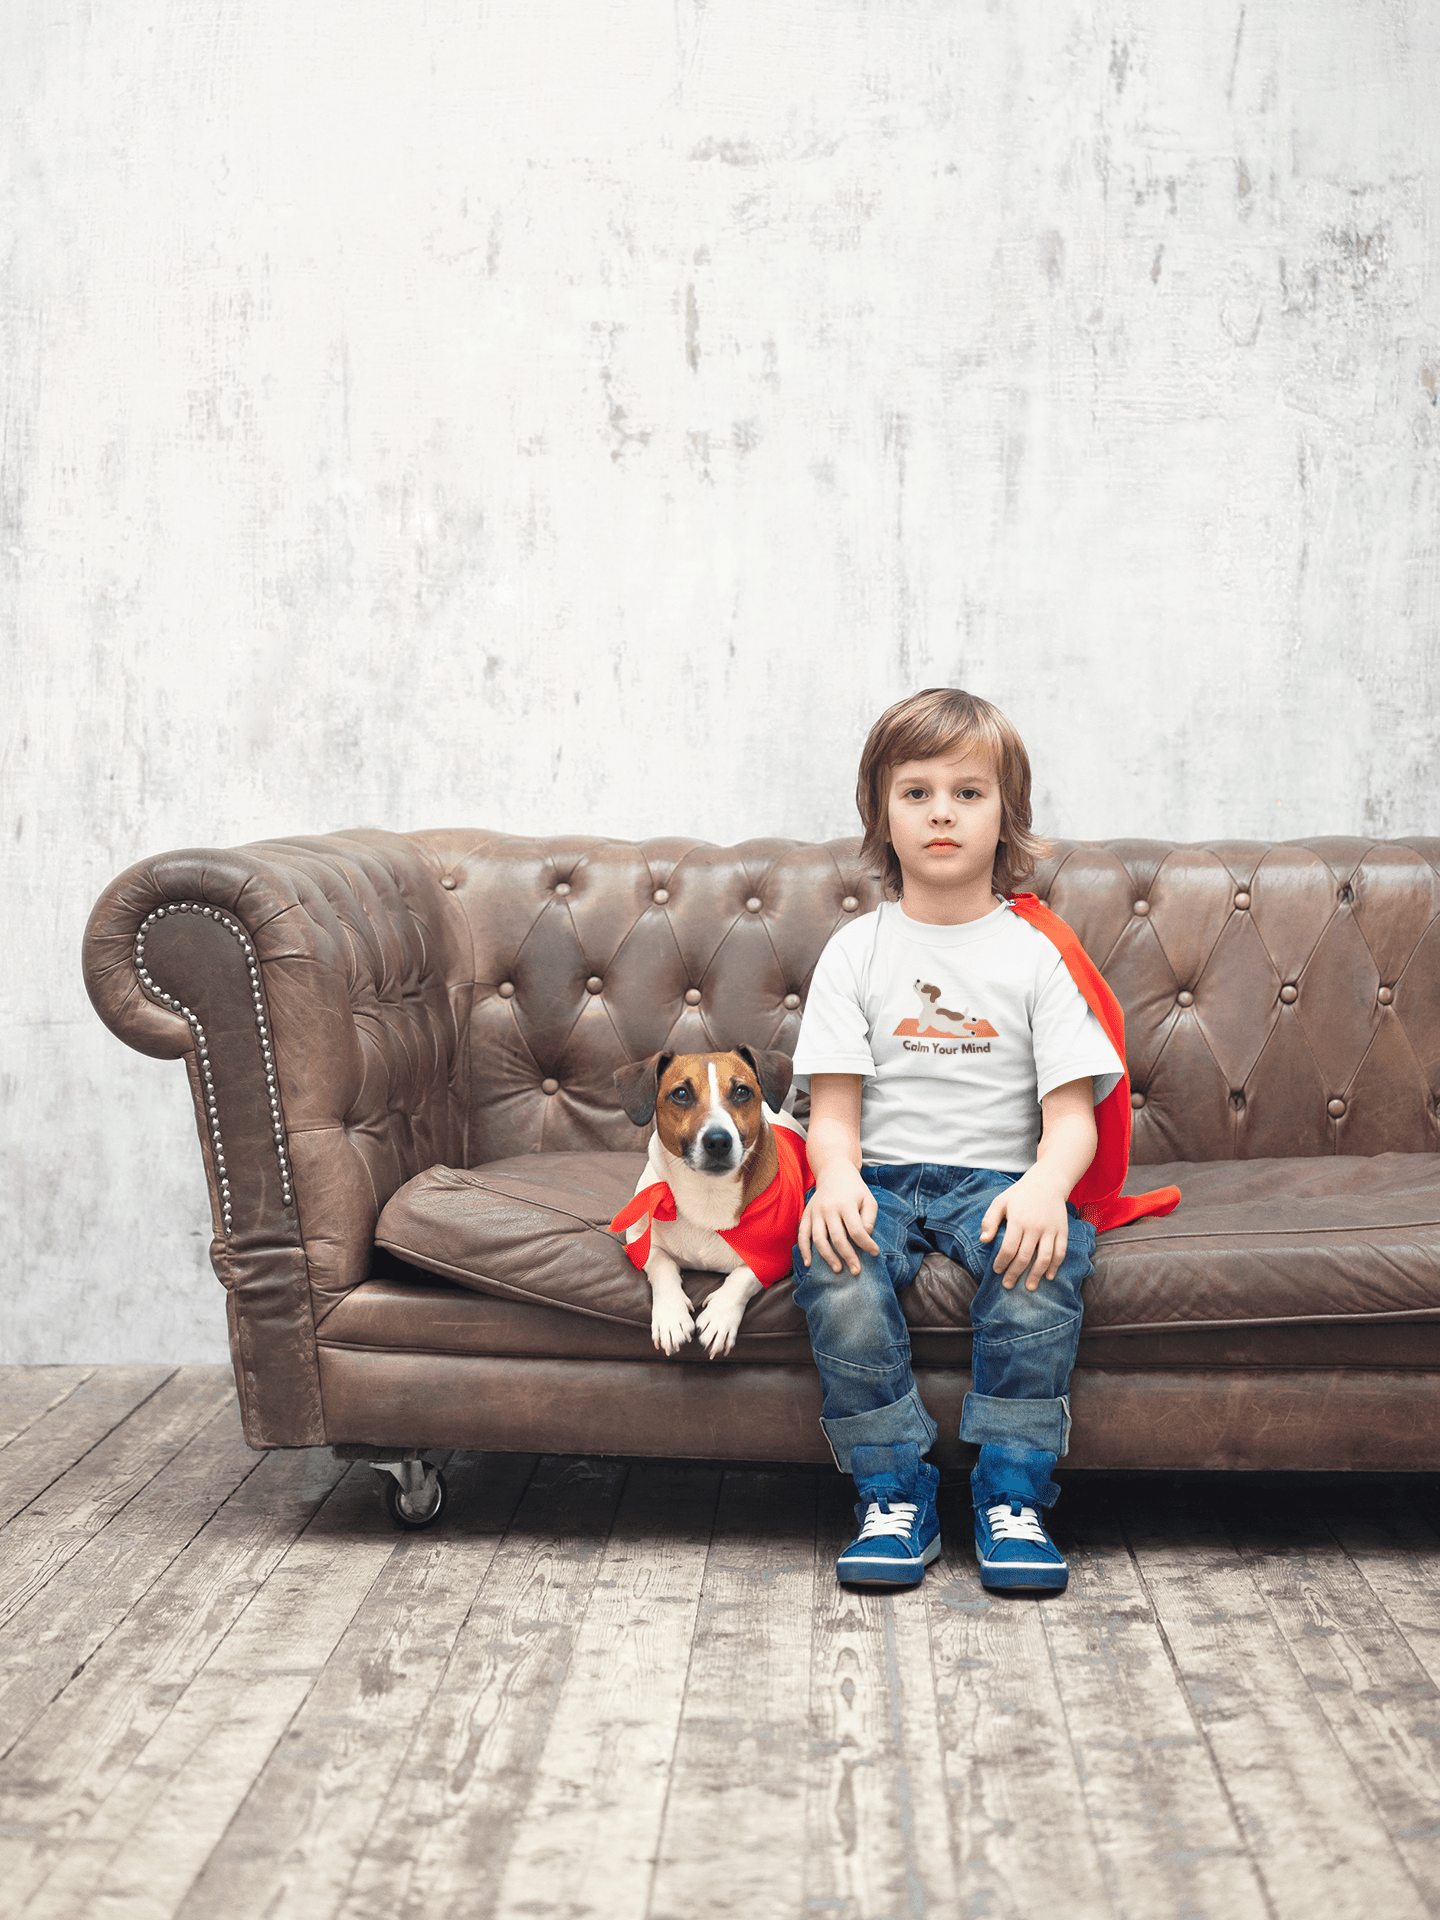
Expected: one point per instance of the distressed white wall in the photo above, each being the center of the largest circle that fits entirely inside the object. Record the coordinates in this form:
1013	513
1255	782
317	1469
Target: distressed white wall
443	412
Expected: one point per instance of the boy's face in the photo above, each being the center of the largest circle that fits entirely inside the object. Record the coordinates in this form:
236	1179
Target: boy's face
944	819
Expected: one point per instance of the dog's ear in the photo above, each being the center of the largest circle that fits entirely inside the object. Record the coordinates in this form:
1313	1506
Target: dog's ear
639	1085
772	1070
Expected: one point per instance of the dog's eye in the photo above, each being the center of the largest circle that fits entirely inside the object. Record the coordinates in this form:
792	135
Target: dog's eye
741	1094
682	1096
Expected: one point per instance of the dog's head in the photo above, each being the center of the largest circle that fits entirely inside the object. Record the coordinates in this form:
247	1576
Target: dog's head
706	1106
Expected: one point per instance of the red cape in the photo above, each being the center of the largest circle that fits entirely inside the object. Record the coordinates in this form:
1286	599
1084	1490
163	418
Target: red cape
764	1235
1097	1192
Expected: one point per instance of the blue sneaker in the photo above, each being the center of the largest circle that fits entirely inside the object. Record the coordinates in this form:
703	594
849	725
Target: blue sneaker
1015	1552
899	1532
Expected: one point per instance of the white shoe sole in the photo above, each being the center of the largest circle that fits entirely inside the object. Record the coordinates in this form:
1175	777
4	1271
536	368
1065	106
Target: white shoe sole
881	1572
1018	1576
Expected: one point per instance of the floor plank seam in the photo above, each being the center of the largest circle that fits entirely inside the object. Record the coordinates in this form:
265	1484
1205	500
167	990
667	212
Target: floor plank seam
284	1730
1359	1774
914	1890
99	1441
956	1867
221	1412
816	1569
525	1761
1202	1731
1373	1589
362	1853
1067	1722
684	1693
177	1702
533	1754
54	1407
160	1573
216	1651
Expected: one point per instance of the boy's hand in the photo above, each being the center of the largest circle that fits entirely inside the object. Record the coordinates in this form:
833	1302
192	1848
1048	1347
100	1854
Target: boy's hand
1037	1229
838	1219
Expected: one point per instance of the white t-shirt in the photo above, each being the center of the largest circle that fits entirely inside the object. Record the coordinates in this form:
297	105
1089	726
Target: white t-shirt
958	1032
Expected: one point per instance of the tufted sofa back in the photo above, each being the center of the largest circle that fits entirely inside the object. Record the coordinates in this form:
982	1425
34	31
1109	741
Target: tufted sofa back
1280	999
589	953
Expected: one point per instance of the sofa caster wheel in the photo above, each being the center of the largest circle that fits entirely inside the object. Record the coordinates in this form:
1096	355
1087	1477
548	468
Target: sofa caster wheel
415	1495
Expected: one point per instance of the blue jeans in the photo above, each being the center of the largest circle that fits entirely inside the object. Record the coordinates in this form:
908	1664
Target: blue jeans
1024	1345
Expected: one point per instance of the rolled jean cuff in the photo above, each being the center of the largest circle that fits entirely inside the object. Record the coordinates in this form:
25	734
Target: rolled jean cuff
888	1426
1041	1424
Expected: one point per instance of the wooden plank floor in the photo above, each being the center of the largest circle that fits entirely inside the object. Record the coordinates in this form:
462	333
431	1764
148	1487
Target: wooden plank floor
229	1688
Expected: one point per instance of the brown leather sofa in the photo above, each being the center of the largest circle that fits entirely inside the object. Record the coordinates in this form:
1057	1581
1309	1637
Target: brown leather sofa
357	1009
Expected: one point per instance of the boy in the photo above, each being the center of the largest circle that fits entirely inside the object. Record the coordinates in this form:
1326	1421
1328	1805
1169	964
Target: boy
954	1068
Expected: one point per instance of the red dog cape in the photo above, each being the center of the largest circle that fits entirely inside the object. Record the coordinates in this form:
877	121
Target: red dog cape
1097	1192
763	1236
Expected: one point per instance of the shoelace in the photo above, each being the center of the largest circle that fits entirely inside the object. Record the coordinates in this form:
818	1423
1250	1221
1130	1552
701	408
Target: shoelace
1009	1522
887	1517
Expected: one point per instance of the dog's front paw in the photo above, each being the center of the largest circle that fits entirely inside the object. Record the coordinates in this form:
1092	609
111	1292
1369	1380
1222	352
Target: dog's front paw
671	1325
719	1322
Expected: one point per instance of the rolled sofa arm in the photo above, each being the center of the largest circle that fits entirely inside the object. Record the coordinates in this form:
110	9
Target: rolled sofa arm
318	992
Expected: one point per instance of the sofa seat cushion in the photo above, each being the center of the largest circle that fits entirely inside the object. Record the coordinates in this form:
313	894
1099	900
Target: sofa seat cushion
1252	1242
1333	1238
535	1229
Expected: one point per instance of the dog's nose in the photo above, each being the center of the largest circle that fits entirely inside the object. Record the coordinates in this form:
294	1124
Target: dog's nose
716	1142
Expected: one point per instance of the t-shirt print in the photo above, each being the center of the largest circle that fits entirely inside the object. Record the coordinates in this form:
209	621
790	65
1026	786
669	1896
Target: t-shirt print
938	1022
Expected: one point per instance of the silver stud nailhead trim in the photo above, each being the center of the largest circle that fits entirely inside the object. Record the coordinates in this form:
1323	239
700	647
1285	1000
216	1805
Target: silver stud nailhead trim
202	1050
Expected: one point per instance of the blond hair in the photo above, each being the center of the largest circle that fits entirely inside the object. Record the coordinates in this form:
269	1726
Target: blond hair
942	721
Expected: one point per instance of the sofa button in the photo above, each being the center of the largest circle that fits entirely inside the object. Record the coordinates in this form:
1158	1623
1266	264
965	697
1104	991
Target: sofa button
1289	993
1142	907
594	983
1185	998
849	903
549	1086
1385	996
1137	1100
1242	900
752	905
792	1001
692	996
449	883
661	896
1335	1109
507	989
562	887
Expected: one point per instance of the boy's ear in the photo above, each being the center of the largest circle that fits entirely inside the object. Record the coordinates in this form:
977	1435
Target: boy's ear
773	1071
639	1085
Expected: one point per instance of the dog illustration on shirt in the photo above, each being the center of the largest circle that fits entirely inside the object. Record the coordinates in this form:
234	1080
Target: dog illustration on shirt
938	1019
944	1022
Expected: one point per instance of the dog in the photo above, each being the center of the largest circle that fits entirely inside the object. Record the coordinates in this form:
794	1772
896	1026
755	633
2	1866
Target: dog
724	1188
932	1014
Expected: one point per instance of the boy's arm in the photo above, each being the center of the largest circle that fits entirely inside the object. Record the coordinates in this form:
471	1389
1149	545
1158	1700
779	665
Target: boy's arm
842	1208
1037	1227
